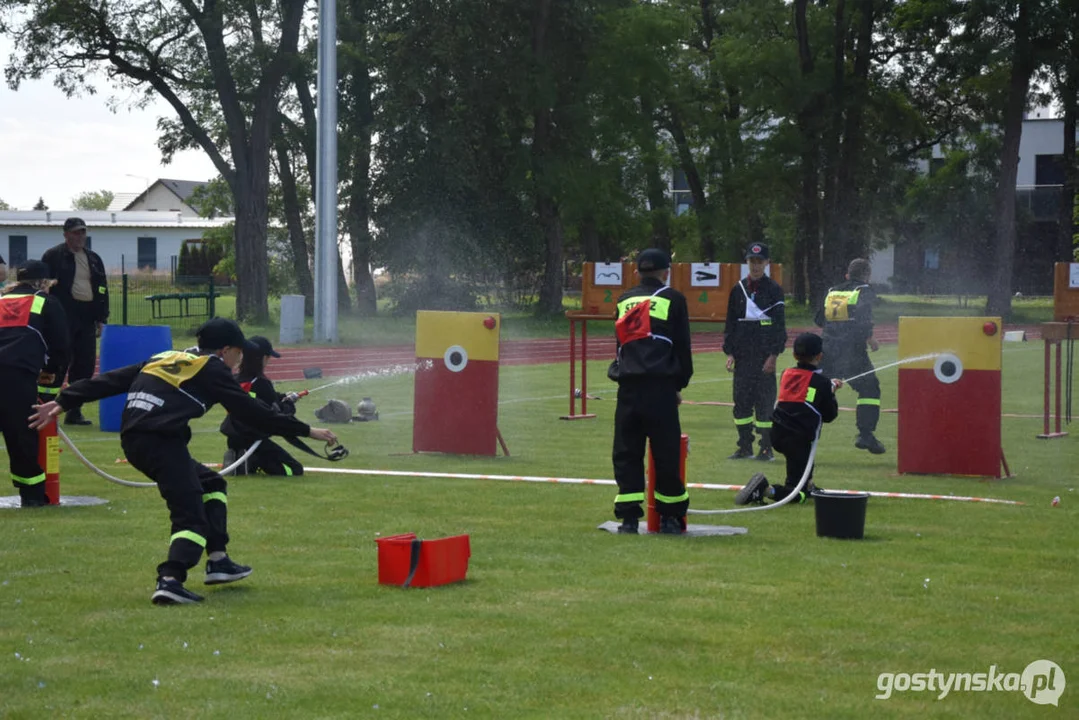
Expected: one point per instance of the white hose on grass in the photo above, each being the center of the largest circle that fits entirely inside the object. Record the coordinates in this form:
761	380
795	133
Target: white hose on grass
131	483
793	494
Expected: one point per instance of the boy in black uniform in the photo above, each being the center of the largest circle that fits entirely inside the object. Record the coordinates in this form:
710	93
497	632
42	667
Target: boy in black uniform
164	394
847	319
269	457
806	401
755	335
653	364
33	355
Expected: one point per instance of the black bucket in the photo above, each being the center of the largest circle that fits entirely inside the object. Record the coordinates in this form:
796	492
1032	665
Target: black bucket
840	515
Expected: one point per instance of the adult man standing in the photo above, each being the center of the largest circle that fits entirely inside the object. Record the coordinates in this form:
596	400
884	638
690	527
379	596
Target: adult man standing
653	365
82	288
755	335
847	319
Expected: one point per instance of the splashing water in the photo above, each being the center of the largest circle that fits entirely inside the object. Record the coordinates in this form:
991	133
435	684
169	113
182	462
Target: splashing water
384	372
904	361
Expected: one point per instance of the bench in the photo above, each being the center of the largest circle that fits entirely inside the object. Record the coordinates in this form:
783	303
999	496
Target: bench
183	300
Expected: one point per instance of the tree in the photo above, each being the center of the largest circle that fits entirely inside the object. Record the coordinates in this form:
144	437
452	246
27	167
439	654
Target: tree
92	200
219	65
40	204
4	205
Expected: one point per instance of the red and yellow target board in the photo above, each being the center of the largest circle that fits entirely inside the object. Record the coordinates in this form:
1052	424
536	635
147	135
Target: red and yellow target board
950	398
456	399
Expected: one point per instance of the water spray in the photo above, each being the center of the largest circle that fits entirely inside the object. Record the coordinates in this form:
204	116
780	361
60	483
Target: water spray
904	361
385	372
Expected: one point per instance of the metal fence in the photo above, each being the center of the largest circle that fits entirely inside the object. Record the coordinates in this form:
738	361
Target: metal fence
148	297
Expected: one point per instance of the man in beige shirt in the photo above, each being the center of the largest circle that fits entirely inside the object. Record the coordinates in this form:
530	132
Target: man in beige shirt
82	288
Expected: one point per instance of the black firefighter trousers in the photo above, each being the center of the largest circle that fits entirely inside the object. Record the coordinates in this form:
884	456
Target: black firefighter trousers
195	495
20	394
648	410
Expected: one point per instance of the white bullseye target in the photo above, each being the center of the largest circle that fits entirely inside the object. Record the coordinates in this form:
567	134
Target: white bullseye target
456	358
948	368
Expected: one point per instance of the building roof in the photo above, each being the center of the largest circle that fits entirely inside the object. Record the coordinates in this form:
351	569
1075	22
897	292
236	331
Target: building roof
121	201
105	219
182	189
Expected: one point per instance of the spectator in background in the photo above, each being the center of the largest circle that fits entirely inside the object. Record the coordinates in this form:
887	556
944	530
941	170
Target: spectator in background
82	288
3	269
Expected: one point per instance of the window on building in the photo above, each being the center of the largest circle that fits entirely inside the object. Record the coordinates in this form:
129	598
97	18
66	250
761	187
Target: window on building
936	165
1048	169
932	259
147	253
16	250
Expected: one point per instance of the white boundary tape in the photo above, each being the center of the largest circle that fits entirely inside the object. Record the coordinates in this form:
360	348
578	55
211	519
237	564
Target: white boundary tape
592	481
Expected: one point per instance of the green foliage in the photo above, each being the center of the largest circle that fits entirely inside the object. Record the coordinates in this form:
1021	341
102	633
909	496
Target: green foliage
40	204
4	205
92	200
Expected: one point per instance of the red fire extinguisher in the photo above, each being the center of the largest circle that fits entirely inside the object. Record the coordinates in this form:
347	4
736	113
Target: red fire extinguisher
48	457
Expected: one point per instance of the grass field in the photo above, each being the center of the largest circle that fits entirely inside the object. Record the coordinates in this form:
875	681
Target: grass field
557	619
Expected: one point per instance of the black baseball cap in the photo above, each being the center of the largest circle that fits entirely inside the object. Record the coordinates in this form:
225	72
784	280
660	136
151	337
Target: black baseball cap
653	259
217	333
261	345
808	345
33	270
757	250
74	223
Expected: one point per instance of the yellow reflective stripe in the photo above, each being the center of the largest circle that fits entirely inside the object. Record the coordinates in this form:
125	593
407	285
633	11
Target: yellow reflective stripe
252	395
207	497
35	307
671	499
42	390
743	421
101	290
629	497
765	425
868	401
288	470
188	535
36	480
661	306
766	322
811	394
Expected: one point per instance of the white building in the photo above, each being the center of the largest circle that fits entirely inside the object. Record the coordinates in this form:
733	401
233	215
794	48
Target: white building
163	195
124	240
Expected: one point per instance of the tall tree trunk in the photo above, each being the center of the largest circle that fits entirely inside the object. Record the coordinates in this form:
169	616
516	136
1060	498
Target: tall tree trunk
848	231
1000	291
589	234
830	147
807	278
659	205
547	211
1066	222
696	185
294	221
354	33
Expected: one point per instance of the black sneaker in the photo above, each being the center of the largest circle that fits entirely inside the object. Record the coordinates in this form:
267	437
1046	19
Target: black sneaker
766	455
628	526
869	442
74	417
669	525
173	592
225	571
752	491
741	454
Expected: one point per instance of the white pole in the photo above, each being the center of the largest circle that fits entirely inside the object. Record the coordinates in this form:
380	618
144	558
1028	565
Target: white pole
326	177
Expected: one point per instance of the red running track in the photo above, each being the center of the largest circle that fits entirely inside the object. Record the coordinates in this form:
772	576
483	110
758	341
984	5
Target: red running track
344	361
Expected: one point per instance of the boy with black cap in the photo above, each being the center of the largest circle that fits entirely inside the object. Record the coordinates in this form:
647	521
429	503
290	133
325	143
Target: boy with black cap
847	319
164	394
806	401
269	457
754	336
654	362
33	356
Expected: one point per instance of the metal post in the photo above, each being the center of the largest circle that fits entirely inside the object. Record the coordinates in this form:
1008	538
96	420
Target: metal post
123	296
326	177
211	305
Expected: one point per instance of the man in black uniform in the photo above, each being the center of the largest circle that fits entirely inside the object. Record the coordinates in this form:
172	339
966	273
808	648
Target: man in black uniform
755	335
33	353
164	394
653	364
83	289
847	319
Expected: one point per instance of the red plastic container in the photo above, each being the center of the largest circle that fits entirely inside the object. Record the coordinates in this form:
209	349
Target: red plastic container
440	562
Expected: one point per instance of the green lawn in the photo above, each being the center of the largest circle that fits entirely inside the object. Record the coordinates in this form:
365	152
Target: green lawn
557	619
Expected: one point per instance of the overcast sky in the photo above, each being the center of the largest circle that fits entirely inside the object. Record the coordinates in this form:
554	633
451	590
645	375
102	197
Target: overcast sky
56	148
